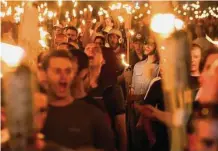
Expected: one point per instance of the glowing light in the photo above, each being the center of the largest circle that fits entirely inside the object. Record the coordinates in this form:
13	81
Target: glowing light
179	11
67	14
41	19
94	21
42	43
68	20
8	13
163	24
43	33
75	4
90	8
162	48
148	12
50	14
179	24
123	60
184	13
210	40
140	15
137	6
146	4
81	12
74	13
120	18
6	54
100	13
191	18
83	22
45	12
85	9
132	33
59	3
2	14
79	30
196	12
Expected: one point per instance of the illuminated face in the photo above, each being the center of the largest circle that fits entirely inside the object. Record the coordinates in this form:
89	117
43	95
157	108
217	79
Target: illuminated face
209	80
71	35
60	73
150	47
108	22
206	135
58	31
195	59
99	42
138	47
113	41
96	61
94	53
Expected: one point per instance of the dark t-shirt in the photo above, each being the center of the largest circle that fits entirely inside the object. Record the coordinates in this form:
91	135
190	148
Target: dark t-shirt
77	125
156	99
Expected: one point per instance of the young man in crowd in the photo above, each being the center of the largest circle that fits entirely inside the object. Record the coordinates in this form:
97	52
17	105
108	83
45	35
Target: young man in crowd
137	54
72	34
99	39
113	105
72	123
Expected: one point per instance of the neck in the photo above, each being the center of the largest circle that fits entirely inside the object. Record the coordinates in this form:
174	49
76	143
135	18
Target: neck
60	102
78	91
151	58
117	49
140	55
195	73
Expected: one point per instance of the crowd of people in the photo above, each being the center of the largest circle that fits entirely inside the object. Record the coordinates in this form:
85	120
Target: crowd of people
87	99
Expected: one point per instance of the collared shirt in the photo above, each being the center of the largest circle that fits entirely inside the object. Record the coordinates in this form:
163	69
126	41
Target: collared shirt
143	73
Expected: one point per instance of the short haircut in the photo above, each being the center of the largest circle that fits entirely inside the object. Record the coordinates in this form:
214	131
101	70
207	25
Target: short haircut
56	53
69	46
72	28
82	59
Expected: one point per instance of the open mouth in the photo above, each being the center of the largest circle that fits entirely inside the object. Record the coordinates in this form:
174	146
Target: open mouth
62	86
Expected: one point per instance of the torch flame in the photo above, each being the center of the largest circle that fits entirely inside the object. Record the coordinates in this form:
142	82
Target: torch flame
11	55
123	60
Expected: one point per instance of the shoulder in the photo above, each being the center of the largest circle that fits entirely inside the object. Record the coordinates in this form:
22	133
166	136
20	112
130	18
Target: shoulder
98	104
90	107
140	64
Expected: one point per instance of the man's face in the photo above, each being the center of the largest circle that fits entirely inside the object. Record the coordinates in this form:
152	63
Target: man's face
206	135
195	59
58	31
60	73
71	35
113	41
138	47
96	61
94	53
108	22
99	42
209	80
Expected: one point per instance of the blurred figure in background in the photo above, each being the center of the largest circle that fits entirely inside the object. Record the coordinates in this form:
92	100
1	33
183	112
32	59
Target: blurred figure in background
201	40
